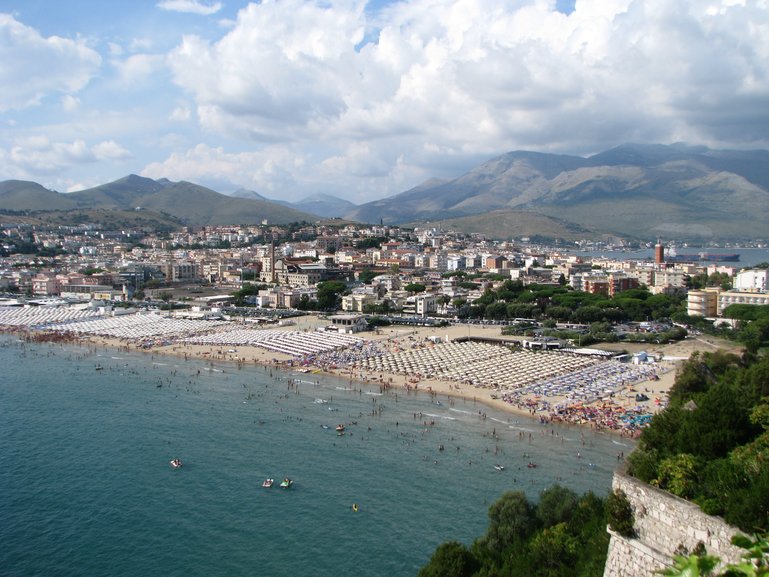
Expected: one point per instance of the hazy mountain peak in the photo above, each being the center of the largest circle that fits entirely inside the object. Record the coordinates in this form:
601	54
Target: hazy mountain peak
245	193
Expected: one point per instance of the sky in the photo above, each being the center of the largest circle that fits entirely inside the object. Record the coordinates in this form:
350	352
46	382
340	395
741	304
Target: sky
364	100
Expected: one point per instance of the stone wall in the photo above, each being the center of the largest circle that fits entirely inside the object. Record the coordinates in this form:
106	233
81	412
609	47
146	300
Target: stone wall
666	525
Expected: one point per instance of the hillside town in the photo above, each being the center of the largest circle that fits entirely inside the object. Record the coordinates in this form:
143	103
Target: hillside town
424	272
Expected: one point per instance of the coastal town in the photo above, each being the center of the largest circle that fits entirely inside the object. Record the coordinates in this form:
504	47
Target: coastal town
384	288
419	309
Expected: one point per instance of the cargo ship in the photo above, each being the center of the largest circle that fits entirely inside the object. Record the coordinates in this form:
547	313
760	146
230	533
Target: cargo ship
703	257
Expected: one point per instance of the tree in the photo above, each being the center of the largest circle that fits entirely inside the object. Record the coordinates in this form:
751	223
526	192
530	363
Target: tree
450	559
367	275
414	288
588	314
90	271
556	505
305	304
510	518
458	302
248	289
328	294
522	311
554	551
497	310
558	313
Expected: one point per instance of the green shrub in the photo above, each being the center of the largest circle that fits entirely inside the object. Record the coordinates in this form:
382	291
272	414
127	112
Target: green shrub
679	475
620	513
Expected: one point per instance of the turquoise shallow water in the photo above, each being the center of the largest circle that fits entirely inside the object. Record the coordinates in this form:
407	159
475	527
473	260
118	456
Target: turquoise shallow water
86	488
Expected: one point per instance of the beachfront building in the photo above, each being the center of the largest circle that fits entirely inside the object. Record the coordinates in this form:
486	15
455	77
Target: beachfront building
542	344
349	323
703	303
84	292
711	302
420	305
727	298
357	301
46	284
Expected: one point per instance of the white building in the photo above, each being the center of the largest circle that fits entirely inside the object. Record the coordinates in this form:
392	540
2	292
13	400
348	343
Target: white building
420	305
753	280
741	298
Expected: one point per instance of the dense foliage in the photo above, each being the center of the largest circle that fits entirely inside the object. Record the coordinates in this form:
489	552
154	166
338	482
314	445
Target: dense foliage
753	328
512	299
562	535
711	445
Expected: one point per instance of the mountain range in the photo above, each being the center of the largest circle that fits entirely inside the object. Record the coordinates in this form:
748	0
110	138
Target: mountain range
186	202
641	191
633	190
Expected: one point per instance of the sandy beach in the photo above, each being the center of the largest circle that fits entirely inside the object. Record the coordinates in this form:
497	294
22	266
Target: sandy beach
600	413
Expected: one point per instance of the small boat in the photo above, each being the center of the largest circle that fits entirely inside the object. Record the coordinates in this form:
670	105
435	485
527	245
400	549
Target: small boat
286	483
324	426
355	507
176	463
499	467
339	428
532	465
268	483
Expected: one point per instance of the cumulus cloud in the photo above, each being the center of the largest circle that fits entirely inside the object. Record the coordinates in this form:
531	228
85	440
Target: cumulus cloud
138	68
34	66
190	6
459	79
272	171
39	155
109	150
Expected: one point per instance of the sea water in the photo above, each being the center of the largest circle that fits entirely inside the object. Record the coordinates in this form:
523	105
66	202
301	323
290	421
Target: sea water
86	488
